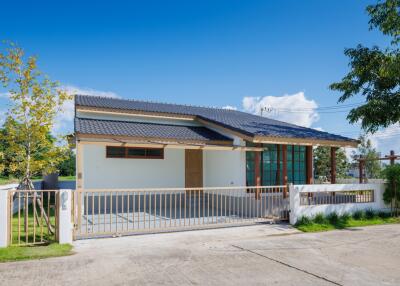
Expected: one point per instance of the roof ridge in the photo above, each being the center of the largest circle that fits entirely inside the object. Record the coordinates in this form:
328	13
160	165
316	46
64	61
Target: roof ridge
159	102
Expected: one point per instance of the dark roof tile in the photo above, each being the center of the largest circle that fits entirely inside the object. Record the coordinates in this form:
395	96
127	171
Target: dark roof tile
242	122
150	130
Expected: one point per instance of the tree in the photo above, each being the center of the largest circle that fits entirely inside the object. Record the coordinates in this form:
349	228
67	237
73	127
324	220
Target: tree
322	162
391	194
67	166
35	101
375	73
373	168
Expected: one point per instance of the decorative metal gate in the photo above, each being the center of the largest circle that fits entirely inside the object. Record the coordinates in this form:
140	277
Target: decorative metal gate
121	212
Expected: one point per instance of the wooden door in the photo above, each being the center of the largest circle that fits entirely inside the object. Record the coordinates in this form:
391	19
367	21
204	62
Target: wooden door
193	168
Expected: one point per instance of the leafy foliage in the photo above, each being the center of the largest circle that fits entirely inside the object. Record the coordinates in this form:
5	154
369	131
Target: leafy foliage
322	162
321	222
375	73
35	103
67	166
372	167
391	194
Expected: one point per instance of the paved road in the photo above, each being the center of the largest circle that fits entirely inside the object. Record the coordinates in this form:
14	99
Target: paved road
253	255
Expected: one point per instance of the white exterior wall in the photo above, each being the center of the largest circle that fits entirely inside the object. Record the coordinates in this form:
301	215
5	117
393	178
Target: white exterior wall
100	172
220	168
297	210
224	168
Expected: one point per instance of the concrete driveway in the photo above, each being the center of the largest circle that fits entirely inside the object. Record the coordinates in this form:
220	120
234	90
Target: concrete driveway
253	255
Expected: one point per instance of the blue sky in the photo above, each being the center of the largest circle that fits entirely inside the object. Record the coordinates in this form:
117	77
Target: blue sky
211	53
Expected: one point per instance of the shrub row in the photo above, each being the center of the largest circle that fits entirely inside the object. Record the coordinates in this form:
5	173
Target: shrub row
334	219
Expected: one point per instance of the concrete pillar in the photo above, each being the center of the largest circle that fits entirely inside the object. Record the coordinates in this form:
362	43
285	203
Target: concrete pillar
4	215
294	203
65	231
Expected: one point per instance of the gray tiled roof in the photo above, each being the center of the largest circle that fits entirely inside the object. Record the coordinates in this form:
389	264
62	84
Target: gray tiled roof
242	122
141	129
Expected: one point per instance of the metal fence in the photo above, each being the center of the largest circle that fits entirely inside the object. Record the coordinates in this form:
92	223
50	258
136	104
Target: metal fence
33	216
116	212
336	197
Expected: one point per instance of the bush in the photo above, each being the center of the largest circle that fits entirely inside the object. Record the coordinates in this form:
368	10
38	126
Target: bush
358	215
391	194
333	218
344	218
304	220
320	219
383	214
369	214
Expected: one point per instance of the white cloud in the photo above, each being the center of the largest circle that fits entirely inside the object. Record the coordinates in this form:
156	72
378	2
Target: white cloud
4	95
387	139
295	108
229	107
66	115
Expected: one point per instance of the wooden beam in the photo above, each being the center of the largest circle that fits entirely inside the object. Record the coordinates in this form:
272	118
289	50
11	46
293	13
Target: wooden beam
333	165
309	164
304	141
172	145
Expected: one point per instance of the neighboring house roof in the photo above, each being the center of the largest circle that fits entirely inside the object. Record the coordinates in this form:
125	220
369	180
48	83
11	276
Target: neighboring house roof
242	122
148	130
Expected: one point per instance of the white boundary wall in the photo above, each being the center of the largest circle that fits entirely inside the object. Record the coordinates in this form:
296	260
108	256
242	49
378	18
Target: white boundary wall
297	210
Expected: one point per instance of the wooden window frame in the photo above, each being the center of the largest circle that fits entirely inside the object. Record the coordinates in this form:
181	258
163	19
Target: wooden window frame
126	156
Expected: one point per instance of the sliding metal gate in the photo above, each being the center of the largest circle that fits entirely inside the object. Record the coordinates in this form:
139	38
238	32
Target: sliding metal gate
118	212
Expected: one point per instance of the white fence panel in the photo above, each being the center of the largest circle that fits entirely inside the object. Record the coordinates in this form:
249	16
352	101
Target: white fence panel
350	204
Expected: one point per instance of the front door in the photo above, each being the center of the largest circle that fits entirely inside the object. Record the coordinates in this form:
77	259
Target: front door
193	168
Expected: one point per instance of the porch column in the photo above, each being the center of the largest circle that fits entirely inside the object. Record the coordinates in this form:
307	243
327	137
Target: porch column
284	164
360	170
257	170
392	157
309	164
333	165
284	171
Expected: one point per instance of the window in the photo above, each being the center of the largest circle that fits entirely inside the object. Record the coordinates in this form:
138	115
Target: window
134	152
115	152
272	165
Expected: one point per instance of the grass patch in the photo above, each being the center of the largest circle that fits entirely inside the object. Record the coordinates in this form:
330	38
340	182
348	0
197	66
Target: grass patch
10	180
333	221
66	178
17	253
6	180
36	229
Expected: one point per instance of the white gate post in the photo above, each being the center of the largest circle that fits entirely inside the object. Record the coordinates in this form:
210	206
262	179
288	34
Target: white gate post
65	227
4	215
294	202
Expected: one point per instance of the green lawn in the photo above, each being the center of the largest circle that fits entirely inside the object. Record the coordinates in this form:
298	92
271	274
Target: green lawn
17	253
66	178
6	180
313	226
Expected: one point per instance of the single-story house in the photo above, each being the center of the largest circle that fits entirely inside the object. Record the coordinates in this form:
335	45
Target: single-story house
127	144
